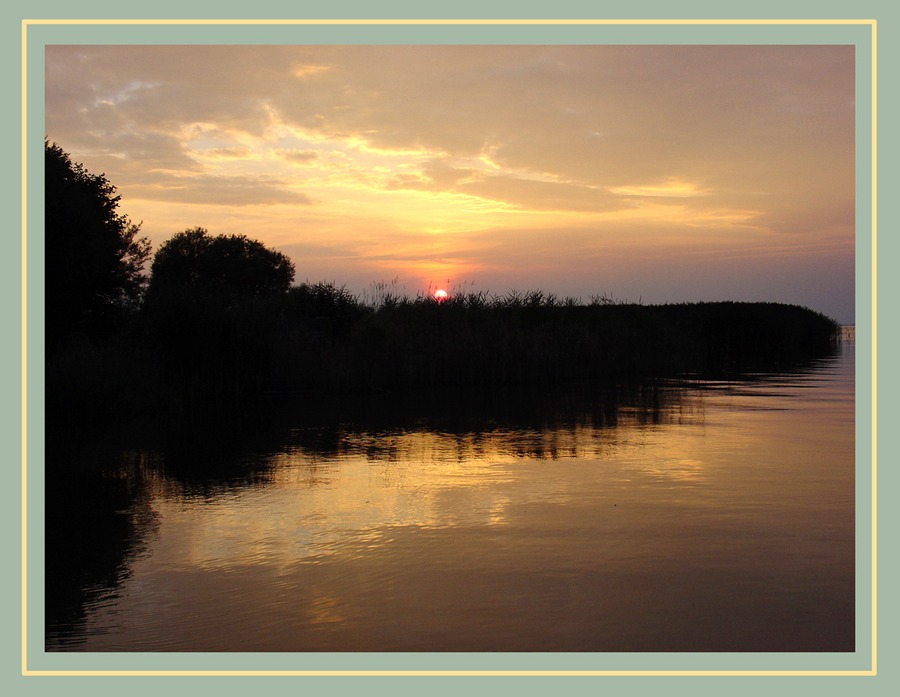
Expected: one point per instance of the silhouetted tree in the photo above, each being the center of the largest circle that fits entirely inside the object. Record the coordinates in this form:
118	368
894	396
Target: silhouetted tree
94	259
212	309
194	264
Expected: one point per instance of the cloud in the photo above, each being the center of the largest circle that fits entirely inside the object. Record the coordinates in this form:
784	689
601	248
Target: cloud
647	144
307	70
435	174
671	188
299	157
225	191
541	195
234	153
598	116
531	191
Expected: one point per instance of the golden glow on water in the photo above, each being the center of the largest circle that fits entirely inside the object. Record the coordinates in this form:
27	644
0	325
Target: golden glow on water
637	535
870	22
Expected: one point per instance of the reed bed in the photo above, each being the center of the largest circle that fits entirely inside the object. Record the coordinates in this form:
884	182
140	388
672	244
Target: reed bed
320	339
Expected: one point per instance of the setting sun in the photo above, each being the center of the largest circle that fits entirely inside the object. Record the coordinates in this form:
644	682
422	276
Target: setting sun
501	166
659	235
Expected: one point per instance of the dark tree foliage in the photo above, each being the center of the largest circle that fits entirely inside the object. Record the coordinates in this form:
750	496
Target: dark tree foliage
94	259
212	309
194	264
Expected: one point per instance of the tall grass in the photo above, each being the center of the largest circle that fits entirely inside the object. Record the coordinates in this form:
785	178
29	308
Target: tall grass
478	339
321	339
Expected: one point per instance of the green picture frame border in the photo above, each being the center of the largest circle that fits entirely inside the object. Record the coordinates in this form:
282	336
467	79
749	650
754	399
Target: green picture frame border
41	31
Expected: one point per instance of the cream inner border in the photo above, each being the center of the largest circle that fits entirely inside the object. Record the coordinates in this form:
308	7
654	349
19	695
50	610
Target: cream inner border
872	671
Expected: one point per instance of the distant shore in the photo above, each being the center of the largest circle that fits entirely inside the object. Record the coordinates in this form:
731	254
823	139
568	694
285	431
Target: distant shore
212	355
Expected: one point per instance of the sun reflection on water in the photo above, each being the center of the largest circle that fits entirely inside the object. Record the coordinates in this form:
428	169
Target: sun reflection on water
602	531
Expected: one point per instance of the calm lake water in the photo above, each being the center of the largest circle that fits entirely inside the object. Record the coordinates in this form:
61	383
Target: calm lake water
699	516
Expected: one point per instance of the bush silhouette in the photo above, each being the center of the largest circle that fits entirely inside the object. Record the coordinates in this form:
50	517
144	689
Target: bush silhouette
211	312
193	263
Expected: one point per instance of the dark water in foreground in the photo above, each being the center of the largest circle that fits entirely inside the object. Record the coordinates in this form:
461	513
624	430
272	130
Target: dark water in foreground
698	517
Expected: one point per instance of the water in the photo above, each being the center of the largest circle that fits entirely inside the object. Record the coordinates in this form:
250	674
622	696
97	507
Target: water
700	516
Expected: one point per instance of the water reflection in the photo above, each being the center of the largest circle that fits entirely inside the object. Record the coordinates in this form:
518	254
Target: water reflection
684	515
99	518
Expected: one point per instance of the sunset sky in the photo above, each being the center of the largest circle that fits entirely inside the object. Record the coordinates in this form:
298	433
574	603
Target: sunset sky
651	173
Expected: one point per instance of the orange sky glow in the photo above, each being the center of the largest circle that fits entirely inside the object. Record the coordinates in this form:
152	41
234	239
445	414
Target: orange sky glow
651	173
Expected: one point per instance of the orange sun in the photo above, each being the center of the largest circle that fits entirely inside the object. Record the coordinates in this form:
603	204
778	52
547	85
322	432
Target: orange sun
440	294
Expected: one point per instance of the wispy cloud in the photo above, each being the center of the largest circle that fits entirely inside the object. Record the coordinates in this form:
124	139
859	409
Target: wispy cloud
755	143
